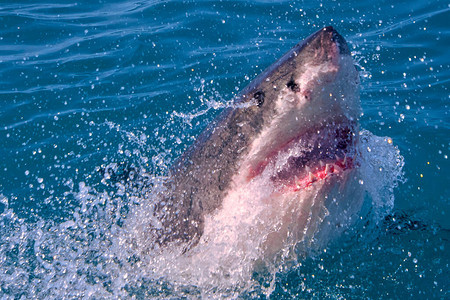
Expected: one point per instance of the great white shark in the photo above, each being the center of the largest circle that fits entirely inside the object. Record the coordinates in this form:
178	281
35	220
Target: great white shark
279	164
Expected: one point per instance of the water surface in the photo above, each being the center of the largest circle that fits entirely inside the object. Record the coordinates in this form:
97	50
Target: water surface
91	84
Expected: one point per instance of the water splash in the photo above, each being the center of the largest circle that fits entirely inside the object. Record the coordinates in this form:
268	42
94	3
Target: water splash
103	248
381	169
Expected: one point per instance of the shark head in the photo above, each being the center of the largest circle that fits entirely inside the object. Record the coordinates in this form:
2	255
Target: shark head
309	99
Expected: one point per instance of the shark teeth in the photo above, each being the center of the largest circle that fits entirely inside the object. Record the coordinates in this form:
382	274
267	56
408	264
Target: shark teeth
316	174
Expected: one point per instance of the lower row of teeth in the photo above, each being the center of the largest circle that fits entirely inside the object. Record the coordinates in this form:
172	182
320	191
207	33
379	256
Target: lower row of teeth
330	168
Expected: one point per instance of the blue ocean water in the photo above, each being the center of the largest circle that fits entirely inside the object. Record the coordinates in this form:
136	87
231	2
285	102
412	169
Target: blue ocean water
111	84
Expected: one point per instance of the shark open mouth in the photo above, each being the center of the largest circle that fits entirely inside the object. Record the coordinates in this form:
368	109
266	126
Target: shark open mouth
315	156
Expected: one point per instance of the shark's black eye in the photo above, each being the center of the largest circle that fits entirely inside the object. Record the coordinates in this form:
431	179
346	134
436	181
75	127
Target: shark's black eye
293	86
259	97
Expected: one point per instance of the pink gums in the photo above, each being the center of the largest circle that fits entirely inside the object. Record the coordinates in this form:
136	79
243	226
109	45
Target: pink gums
320	174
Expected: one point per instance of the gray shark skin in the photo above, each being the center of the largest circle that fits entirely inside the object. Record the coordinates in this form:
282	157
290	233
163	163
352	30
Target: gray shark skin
309	96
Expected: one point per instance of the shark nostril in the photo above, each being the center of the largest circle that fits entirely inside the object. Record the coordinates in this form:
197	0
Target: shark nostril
293	86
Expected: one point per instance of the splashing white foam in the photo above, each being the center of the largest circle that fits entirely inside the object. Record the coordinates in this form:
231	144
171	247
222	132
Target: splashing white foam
102	249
